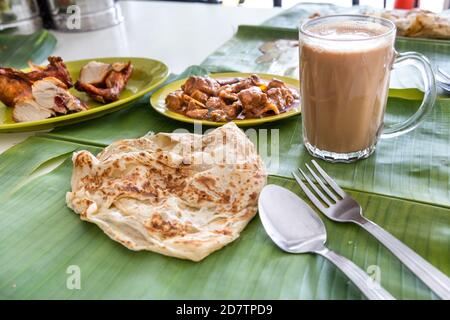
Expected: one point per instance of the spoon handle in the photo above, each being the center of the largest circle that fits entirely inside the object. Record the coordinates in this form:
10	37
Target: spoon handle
371	289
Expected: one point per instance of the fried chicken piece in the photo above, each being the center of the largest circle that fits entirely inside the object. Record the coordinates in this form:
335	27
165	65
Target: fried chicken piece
52	93
40	93
29	110
109	90
95	73
203	84
49	97
14	86
56	69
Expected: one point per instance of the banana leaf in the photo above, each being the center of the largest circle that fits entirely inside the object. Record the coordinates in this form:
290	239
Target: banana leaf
41	240
17	50
292	17
404	187
242	53
414	166
437	51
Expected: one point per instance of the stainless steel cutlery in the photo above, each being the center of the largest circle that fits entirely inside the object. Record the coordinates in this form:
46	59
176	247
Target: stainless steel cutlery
295	228
337	205
443	79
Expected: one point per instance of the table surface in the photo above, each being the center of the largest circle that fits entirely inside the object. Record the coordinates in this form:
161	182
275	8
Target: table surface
179	34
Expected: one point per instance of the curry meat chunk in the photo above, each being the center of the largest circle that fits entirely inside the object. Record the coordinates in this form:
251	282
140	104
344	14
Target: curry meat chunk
223	100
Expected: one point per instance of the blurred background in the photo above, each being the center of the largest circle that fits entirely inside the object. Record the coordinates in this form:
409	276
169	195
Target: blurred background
432	5
27	16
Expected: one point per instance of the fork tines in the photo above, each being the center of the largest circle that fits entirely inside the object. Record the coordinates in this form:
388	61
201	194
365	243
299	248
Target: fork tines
321	185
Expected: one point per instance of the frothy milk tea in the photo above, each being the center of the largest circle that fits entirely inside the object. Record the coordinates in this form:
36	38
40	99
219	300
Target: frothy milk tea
344	85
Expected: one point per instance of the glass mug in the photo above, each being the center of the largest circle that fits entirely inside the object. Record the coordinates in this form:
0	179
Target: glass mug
345	64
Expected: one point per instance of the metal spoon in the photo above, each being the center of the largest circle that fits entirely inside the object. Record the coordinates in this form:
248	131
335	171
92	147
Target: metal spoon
295	228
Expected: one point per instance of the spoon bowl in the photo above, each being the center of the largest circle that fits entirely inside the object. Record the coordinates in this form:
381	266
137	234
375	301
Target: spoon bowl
295	228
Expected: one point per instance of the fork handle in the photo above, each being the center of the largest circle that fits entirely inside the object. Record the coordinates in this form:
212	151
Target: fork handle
371	290
432	277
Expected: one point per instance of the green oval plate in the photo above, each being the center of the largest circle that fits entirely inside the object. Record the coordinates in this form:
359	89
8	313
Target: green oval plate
147	75
157	100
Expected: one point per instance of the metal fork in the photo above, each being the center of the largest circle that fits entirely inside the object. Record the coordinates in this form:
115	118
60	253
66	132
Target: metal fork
337	205
443	79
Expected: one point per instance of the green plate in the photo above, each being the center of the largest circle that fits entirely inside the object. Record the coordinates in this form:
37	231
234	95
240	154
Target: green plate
147	75
157	100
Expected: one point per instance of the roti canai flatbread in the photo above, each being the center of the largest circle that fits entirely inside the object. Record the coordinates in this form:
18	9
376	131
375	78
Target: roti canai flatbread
178	194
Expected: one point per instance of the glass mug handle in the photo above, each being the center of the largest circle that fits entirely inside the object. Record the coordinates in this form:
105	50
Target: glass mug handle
420	62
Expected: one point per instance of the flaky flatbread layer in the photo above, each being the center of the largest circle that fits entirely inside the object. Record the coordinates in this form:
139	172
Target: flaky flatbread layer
179	194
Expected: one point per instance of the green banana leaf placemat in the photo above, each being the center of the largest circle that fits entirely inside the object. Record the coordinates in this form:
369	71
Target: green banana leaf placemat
414	166
438	51
17	50
404	187
292	17
42	241
243	53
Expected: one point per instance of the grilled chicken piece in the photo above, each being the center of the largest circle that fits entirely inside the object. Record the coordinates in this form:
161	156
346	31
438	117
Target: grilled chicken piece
13	86
49	97
52	93
95	73
40	93
56	69
110	88
30	110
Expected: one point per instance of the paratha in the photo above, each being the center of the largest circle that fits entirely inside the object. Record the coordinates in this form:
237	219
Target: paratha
179	194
